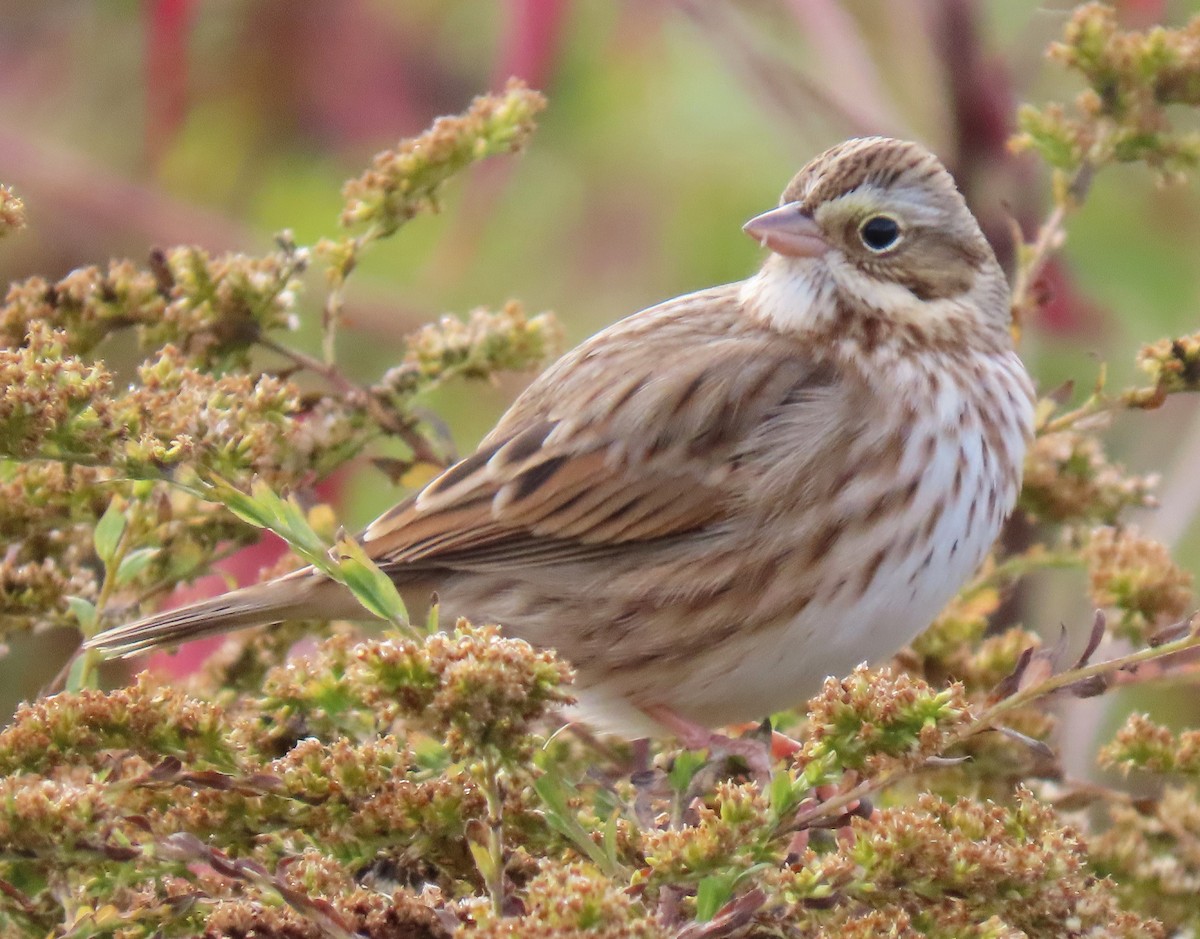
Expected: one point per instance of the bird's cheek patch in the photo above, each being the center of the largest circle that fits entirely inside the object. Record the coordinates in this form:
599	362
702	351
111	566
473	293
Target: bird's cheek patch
947	269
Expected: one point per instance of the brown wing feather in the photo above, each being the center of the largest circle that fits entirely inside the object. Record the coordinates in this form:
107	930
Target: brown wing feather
643	438
582	464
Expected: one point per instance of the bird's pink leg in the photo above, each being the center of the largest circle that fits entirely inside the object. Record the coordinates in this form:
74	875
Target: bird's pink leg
693	736
783	747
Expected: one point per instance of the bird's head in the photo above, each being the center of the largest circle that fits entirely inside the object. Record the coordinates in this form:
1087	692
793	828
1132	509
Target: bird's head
874	231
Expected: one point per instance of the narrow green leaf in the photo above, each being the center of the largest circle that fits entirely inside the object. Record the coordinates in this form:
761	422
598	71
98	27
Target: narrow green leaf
712	893
85	612
484	862
610	840
370	586
553	791
134	563
109	530
239	503
82	673
783	794
290	521
263	508
687	764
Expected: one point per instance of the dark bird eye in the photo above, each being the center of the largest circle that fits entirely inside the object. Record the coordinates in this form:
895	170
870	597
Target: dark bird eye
879	232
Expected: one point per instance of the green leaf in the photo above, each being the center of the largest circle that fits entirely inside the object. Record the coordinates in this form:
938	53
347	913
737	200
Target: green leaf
107	536
555	793
370	586
134	563
784	794
83	672
712	893
85	612
687	764
263	508
610	839
238	502
290	522
430	754
484	862
821	769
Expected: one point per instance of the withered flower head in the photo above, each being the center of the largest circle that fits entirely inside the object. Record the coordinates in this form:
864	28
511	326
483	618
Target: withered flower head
1069	478
1136	576
12	212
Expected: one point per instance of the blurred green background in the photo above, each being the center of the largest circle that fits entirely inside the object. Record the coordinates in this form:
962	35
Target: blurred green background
130	125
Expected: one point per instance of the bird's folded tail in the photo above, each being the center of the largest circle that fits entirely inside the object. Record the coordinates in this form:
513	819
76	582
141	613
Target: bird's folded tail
301	595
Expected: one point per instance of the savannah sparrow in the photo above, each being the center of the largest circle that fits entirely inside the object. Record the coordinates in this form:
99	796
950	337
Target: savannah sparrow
713	504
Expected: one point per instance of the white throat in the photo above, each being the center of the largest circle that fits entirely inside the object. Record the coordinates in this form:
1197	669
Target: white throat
792	296
798	295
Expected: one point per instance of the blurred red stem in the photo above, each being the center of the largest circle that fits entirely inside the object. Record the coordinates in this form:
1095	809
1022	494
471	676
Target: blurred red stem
167	27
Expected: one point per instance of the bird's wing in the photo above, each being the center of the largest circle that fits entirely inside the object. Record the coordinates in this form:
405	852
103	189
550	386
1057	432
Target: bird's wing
635	436
651	431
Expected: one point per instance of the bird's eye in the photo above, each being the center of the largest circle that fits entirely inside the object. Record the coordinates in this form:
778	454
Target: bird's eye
879	232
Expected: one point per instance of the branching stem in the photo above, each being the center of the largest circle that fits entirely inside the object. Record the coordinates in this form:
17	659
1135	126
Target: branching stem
839	804
494	875
358	396
1050	237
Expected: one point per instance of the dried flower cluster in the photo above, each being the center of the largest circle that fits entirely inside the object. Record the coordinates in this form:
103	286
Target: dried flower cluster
1172	364
76	438
1145	745
1149	845
871	720
486	343
1136	576
12	212
1068	476
410	784
148	780
1132	78
1149	852
213	307
406	181
966	861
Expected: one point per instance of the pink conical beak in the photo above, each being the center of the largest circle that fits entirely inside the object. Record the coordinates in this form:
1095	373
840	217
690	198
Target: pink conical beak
788	230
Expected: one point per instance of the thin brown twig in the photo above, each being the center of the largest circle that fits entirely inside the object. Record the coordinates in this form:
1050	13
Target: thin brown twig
335	300
835	806
1051	235
358	396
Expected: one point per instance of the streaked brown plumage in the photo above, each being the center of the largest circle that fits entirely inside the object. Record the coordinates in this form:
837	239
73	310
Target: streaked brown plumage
716	502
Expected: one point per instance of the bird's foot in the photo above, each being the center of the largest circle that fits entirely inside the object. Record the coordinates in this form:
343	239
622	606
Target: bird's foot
756	754
783	747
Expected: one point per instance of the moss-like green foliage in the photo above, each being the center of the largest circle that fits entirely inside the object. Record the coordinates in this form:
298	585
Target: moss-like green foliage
1132	79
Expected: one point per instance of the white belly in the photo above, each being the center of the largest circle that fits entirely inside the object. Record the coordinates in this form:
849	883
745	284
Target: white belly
964	493
785	666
